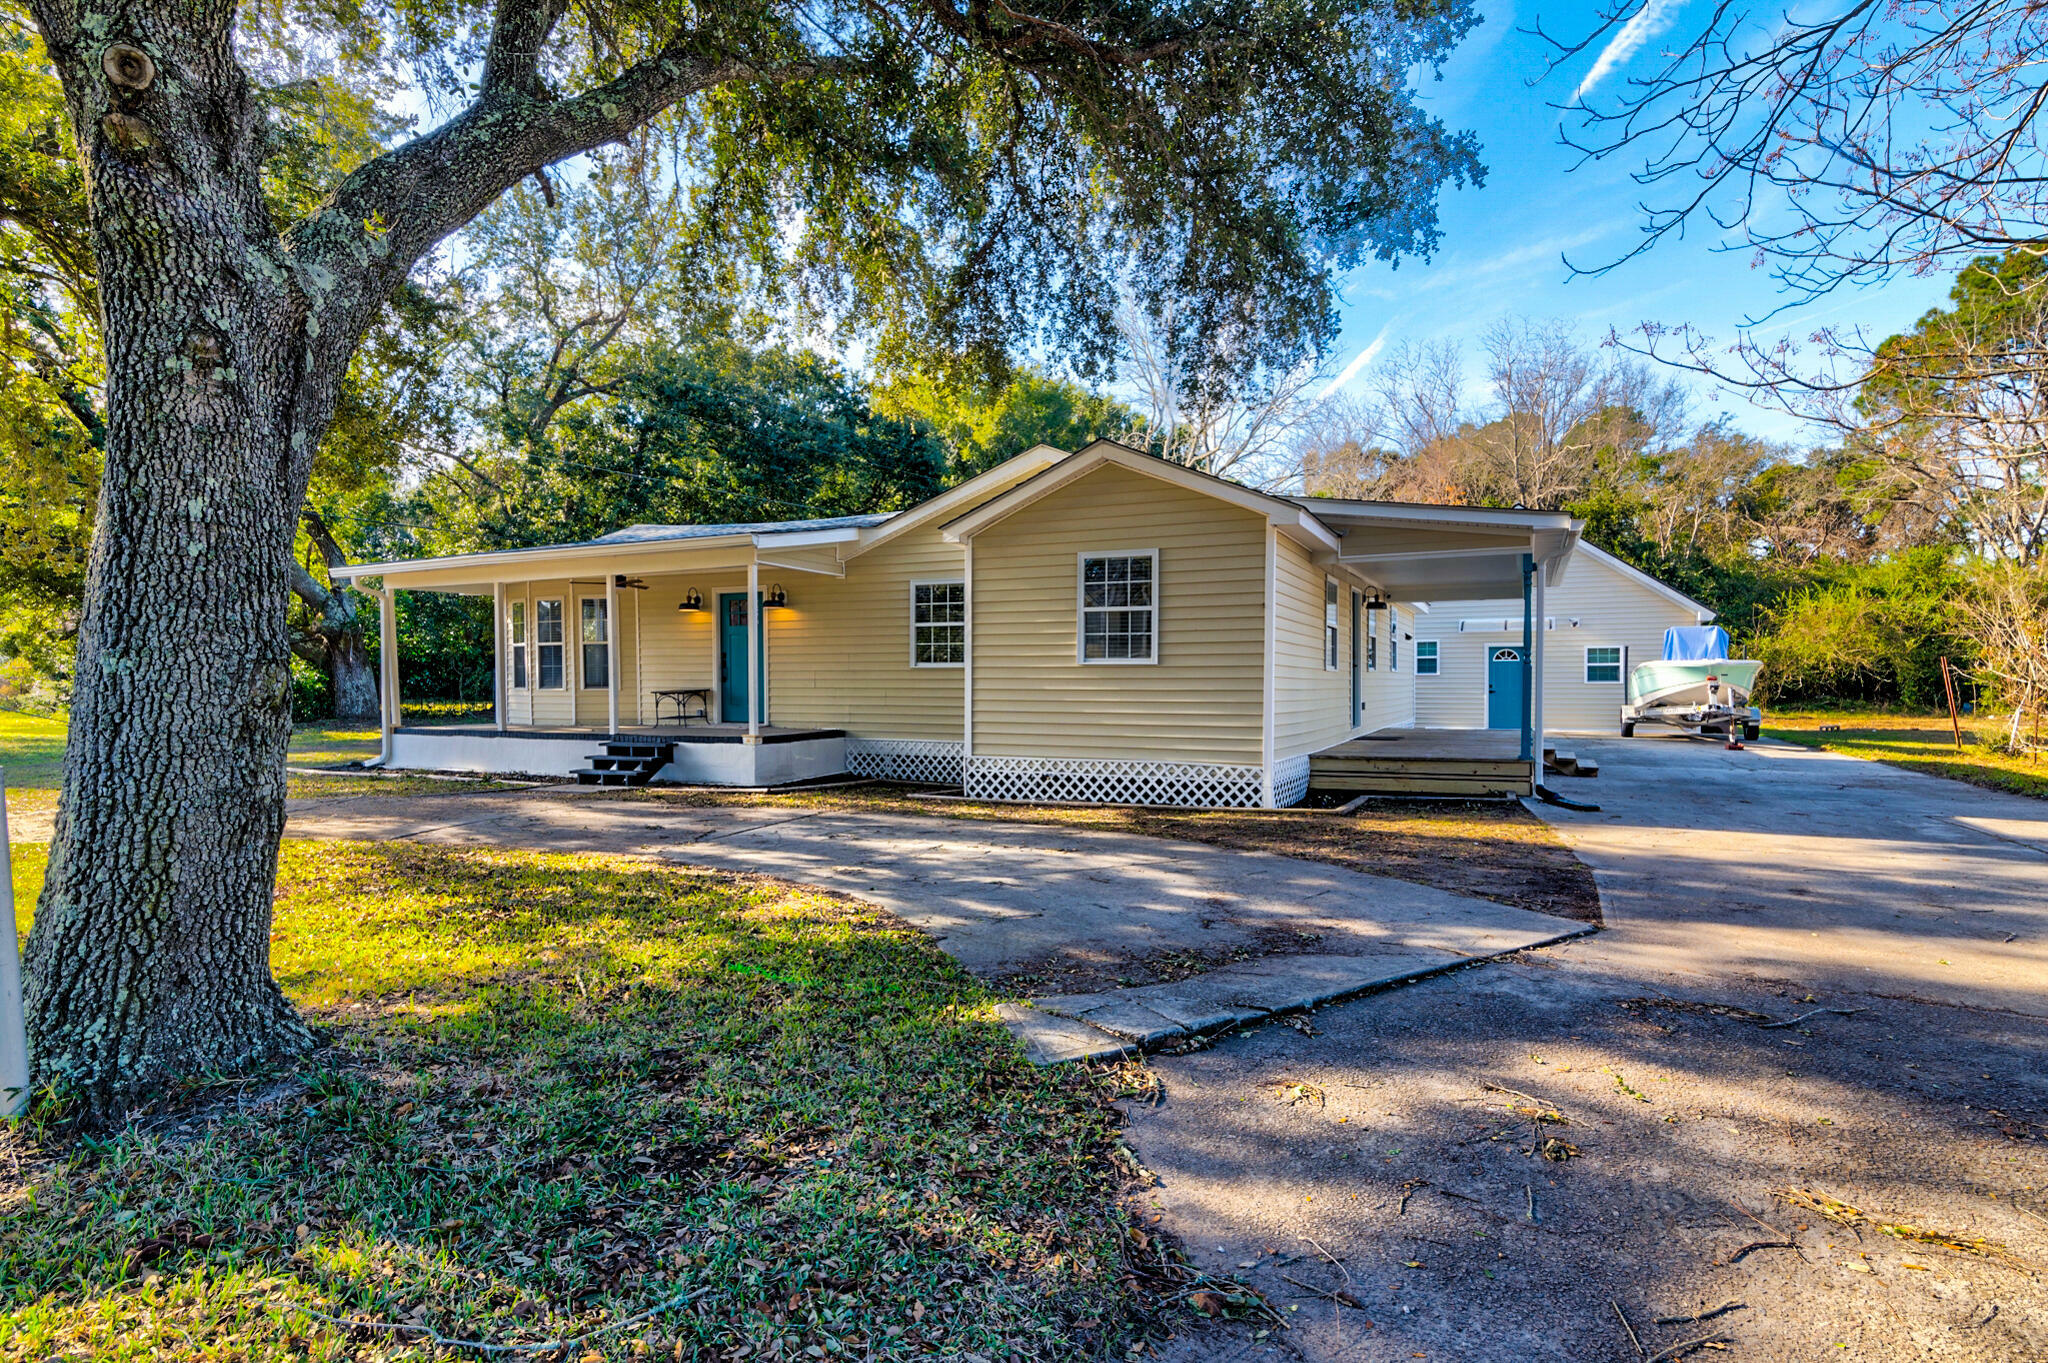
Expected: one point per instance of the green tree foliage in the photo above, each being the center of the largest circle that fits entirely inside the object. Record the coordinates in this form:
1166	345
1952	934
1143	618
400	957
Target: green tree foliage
710	435
1873	632
982	424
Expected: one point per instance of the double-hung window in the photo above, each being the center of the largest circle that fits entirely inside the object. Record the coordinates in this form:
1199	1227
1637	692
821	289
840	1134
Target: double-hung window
1603	664
938	624
515	626
1393	641
1119	607
1372	639
1425	657
596	638
547	641
1330	624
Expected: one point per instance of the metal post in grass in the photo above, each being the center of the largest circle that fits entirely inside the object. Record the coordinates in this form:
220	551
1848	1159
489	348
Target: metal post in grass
13	1030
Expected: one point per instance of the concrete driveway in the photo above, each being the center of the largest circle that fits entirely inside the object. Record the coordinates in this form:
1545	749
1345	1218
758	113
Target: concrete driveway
1015	899
1783	863
1396	1157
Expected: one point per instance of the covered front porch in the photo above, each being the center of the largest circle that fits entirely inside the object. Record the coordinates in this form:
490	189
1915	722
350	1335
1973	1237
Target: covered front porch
695	754
704	647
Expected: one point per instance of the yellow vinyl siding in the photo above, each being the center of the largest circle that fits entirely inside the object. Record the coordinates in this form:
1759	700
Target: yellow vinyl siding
1612	609
840	656
678	648
1201	701
1389	700
1311	702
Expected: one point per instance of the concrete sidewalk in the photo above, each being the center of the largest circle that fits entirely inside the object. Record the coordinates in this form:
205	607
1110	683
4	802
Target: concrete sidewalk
1010	899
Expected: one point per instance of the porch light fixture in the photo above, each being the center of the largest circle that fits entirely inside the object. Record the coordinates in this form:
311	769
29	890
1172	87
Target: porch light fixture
1375	603
775	598
693	600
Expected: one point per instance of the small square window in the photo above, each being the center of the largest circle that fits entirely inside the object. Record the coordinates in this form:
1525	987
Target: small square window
1425	657
1603	665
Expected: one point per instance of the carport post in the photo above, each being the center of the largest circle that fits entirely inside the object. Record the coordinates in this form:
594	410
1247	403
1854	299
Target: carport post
1528	573
1538	667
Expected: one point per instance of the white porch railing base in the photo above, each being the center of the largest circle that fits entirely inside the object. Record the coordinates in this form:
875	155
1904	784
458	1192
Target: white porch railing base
924	760
1290	780
1125	782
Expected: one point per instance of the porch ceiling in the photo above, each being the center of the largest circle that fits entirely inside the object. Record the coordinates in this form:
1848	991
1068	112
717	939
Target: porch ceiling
1447	553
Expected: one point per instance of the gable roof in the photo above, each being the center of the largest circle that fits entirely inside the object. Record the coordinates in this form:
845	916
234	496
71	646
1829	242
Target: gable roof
962	496
1288	517
1643	579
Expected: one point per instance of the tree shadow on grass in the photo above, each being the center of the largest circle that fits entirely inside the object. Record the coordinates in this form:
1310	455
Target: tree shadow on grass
564	1089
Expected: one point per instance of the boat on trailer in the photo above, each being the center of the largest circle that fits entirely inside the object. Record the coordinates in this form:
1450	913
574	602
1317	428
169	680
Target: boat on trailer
1695	686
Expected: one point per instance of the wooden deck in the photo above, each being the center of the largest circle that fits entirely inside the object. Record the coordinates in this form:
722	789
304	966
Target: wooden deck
1424	762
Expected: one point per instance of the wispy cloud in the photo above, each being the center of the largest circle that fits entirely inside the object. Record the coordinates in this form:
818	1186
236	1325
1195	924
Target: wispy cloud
1358	362
1653	18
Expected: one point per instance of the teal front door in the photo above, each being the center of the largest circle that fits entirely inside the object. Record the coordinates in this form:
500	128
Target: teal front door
1504	682
732	657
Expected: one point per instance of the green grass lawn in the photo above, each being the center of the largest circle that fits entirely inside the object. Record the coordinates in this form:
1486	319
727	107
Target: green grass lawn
562	1091
32	751
1924	743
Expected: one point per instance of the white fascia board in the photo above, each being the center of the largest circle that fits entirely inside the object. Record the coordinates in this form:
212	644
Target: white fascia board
1307	531
805	539
1028	464
491	559
1283	514
1332	508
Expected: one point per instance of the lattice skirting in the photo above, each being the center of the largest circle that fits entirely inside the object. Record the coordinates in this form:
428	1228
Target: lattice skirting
932	761
1290	780
1056	779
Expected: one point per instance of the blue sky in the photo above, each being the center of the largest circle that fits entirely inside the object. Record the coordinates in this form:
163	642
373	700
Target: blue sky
1503	243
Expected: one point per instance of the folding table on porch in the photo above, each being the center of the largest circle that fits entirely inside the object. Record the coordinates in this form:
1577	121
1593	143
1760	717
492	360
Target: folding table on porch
683	697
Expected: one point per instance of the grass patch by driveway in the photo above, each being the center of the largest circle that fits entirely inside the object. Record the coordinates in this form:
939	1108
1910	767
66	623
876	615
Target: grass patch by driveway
1490	849
1922	743
563	1090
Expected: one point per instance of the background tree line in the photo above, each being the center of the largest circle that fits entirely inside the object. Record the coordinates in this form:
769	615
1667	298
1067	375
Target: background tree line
1851	567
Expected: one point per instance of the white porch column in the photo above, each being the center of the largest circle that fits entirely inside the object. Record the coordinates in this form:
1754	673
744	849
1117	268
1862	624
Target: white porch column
755	699
611	652
498	687
1540	649
387	664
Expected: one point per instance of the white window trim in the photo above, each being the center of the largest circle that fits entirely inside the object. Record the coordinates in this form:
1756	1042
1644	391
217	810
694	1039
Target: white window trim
562	615
1587	672
959	582
1436	658
1080	609
1333	628
604	613
518	660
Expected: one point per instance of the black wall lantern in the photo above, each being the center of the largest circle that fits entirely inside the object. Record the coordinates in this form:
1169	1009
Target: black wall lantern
693	600
775	598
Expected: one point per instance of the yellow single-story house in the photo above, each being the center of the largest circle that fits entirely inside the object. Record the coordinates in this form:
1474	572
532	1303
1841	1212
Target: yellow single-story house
1089	625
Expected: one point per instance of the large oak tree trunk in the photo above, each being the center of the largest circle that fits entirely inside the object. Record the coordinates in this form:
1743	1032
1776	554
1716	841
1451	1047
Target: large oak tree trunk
150	953
351	679
225	342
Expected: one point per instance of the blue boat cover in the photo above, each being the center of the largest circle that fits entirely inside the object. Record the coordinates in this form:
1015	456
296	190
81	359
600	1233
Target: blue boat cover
1695	643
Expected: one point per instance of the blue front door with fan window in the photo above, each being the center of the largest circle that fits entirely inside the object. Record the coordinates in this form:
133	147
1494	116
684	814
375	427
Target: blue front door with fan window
732	657
1504	682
